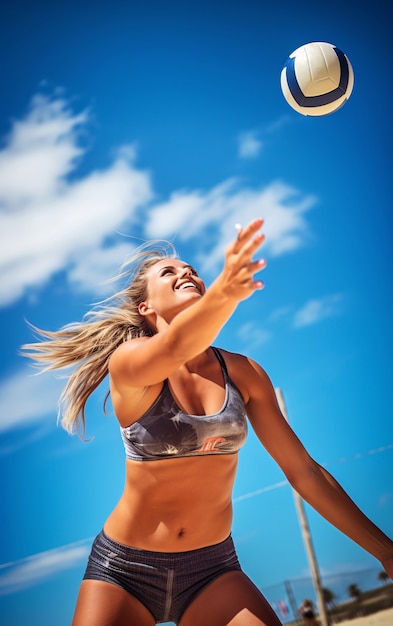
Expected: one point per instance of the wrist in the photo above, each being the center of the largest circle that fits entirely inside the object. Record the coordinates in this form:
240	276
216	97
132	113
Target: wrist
223	293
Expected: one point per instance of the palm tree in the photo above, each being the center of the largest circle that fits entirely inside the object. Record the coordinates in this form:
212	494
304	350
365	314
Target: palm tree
354	591
329	597
383	577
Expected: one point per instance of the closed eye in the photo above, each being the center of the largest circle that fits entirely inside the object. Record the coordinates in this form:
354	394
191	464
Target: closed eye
167	270
172	270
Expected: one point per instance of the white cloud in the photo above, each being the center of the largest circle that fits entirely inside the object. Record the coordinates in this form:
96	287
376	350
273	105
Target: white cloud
188	214
385	499
28	398
252	336
258	492
97	269
41	150
52	221
47	221
318	309
249	146
280	313
35	569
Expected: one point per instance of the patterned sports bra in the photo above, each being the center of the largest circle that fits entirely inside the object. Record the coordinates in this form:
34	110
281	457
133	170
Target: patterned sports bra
166	432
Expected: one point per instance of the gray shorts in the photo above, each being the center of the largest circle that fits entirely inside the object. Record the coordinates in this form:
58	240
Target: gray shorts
165	582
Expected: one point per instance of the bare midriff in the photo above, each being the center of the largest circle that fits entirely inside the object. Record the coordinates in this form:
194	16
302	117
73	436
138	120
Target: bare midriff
175	505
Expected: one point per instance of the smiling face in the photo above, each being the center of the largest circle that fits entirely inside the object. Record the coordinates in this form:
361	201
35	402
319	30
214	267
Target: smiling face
172	285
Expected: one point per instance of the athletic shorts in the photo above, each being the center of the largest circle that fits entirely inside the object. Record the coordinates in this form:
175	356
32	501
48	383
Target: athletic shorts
165	582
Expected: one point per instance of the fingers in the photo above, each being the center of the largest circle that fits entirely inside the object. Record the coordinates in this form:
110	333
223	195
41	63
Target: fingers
248	273
239	257
248	237
248	240
252	227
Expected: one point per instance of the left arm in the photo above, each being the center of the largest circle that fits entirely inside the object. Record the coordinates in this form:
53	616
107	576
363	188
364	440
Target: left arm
307	477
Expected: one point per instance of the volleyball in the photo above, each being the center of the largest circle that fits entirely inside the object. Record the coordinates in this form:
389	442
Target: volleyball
317	79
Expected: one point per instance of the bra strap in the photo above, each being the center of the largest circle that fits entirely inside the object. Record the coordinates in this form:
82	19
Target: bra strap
220	359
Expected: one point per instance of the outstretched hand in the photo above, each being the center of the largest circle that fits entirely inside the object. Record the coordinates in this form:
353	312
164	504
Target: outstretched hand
237	277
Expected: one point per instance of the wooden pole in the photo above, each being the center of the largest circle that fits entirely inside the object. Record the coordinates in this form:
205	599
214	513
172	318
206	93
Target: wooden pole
308	544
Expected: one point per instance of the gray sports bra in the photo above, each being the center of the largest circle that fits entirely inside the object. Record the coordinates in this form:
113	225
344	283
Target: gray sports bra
166	432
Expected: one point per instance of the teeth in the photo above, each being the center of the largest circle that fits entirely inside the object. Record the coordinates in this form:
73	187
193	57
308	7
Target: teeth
185	285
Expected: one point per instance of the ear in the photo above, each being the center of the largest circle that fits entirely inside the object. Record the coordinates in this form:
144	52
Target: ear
144	309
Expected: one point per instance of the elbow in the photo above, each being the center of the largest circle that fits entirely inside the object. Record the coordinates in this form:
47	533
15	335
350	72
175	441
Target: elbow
304	477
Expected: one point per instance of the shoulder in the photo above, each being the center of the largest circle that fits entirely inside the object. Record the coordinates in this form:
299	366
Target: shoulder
130	396
122	353
248	375
124	362
241	363
125	349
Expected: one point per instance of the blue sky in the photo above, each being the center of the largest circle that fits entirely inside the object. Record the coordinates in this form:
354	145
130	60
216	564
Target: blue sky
125	121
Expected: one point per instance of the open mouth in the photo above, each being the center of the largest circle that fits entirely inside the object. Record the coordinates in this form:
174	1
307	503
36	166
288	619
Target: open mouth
189	285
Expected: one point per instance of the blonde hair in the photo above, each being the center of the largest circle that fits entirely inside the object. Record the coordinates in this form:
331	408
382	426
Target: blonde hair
89	344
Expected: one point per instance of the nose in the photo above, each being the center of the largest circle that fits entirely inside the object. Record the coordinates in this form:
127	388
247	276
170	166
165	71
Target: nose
186	271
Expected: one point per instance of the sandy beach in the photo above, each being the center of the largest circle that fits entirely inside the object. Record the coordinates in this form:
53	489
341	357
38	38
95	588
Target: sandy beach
382	618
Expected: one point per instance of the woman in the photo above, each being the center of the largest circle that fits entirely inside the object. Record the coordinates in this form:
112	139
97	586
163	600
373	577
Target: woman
308	613
165	552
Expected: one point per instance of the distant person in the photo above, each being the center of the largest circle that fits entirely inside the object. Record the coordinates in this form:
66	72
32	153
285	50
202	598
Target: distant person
165	552
307	611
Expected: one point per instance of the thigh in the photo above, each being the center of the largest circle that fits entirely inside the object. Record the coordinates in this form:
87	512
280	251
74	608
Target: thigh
104	604
230	600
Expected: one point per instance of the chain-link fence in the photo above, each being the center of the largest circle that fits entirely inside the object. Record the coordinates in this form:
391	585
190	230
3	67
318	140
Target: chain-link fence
347	595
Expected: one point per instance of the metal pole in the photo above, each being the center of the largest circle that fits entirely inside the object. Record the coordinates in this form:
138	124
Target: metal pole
307	535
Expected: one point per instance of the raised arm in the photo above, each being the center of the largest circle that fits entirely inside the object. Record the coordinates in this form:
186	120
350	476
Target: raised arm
145	362
307	477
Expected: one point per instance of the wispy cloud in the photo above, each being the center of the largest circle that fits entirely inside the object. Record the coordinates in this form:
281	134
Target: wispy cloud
35	569
385	499
252	336
194	215
259	492
59	221
52	221
249	145
38	400
316	310
280	313
95	271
